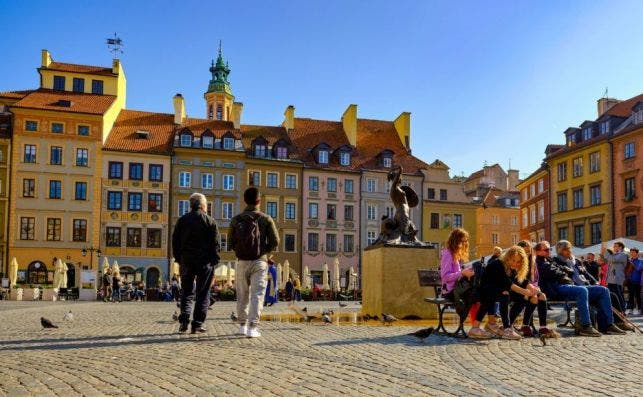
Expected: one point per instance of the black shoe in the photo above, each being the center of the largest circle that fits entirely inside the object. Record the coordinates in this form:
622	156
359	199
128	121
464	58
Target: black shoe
588	330
614	330
183	327
199	329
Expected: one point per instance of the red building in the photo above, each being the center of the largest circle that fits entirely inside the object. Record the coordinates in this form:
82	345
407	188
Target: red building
535	206
627	157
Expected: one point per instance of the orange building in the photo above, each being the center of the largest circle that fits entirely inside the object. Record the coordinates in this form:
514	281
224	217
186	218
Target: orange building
628	179
497	221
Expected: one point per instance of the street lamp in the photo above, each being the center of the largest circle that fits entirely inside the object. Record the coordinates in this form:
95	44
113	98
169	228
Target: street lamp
91	254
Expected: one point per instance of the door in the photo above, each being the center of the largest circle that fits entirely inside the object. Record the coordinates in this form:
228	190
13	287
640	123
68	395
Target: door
152	278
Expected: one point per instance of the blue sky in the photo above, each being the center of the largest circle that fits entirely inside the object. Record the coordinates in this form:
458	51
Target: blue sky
484	80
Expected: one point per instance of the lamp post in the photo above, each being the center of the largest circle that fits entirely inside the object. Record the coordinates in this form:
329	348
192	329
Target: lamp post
91	250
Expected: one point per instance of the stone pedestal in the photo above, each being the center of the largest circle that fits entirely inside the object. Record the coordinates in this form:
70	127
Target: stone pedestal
390	282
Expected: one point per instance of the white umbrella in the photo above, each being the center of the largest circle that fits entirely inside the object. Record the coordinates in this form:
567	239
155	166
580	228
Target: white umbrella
286	274
353	278
175	268
336	285
65	269
115	268
306	280
280	279
58	274
230	271
325	285
105	265
13	271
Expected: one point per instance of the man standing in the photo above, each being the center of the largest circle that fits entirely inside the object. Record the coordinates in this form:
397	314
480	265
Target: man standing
617	259
271	290
195	245
634	282
253	235
593	267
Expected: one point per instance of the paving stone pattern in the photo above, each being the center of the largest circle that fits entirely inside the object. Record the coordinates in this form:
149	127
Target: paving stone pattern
133	349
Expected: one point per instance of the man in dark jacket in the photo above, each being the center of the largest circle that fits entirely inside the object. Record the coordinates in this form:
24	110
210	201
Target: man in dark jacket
253	235
195	245
556	282
593	267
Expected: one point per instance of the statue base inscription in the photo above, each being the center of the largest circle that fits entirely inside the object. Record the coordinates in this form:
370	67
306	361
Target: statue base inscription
390	282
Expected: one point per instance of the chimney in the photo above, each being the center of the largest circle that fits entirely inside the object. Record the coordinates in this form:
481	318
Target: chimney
237	109
116	66
605	104
403	127
289	118
512	180
349	122
179	109
45	58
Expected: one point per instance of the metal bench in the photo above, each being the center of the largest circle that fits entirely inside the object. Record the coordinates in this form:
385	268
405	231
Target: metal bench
431	278
567	306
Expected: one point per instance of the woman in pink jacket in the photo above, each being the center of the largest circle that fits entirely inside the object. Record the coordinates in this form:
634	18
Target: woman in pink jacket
453	254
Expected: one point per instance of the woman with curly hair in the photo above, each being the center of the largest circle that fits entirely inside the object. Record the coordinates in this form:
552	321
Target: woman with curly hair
455	252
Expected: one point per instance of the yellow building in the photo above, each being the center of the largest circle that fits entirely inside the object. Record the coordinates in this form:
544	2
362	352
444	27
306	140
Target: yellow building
497	221
56	165
5	161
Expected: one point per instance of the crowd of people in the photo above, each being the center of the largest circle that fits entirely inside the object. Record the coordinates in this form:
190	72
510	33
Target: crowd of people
523	277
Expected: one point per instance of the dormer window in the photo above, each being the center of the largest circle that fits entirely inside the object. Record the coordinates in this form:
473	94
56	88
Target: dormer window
387	162
345	158
638	117
282	152
570	140
228	143
605	127
260	151
322	157
208	142
142	134
587	133
186	140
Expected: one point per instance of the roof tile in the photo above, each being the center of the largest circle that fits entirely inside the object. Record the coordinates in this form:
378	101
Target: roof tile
45	99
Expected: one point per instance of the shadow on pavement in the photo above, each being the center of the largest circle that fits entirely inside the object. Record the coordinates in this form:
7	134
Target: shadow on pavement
407	340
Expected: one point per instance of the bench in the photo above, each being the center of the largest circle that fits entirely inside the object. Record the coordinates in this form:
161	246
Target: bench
567	306
431	278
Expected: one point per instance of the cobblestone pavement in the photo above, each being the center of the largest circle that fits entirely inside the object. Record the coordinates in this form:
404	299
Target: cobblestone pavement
133	349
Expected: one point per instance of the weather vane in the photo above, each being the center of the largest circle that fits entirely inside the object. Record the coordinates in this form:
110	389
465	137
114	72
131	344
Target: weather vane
115	45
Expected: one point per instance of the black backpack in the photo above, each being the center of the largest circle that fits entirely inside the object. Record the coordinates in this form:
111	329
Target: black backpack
248	235
466	291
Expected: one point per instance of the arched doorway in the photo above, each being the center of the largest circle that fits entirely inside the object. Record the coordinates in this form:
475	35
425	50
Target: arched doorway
37	273
71	276
152	277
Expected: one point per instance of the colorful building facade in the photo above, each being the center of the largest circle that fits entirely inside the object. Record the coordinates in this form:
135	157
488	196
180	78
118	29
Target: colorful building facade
497	221
535	206
628	181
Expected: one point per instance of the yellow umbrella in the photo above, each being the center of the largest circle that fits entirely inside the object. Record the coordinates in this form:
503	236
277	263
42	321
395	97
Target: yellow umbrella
175	268
306	280
325	285
286	274
116	270
13	271
105	265
336	275
65	269
280	279
353	278
58	266
230	271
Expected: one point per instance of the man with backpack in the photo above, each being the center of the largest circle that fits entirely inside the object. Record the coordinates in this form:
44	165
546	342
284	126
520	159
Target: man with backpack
253	235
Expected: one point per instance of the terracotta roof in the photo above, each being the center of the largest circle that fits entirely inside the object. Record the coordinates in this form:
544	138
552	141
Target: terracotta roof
272	134
624	108
80	103
199	126
74	68
15	94
481	172
124	137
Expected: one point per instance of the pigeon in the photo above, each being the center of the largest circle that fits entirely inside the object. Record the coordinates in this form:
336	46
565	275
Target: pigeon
388	318
366	317
233	317
69	316
175	316
309	318
423	333
305	309
46	323
327	312
342	304
543	339
326	319
344	297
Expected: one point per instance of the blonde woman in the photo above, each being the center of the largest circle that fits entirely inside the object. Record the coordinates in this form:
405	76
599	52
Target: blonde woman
455	252
116	286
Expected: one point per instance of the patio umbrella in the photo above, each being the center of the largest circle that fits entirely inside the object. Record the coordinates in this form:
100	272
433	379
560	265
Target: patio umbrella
64	281
353	278
306	281
58	274
280	279
115	268
105	265
229	274
286	274
13	271
336	285
325	285
175	268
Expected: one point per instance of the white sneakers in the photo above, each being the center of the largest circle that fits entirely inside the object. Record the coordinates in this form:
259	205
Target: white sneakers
243	329
248	331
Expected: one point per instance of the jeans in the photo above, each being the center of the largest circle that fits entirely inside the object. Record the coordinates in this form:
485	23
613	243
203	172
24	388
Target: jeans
198	291
116	293
584	295
634	292
520	303
251	281
618	291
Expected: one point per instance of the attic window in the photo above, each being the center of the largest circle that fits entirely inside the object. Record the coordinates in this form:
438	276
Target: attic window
228	143
186	140
345	158
65	103
387	162
260	151
587	133
208	142
142	134
282	152
322	157
605	127
638	117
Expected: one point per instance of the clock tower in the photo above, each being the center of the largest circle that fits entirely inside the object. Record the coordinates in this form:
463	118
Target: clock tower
218	97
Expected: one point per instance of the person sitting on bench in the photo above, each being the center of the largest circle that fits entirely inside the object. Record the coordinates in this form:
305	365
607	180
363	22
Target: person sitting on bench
453	254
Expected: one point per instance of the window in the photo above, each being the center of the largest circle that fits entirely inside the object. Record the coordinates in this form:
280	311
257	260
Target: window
184	207
57	128
80	230
82	158
562	233
54	229
59	83
97	87
371	212
331	212
80	191
532	190
331	185
370	185
115	170
155	202
208	142
114	200
290	211
532	215
313	183
282	152
185	179
595	231
83	130
430	194
56	155
595	195
525	217
514	239
594	162
186	140
153	238
219	112
370	237
313	210
254	178
457	220
228	143
271	179
55	190
587	133
135	201
31	125
313	242
331	243
629	150
495	220
30	154
28	188
494	238
322	157
387	162
605	127
630	189
271	209
345	158
136	171
443	194
435	220
541	211
78	85
349	240
578	198
228	182
208	208
156	173
579	235
514	221
348	186
348	212
291	181
562	201
630	225
27	227
134	237
223	242
289	243
260	151
390	212
562	172
206	181
113	237
578	166
228	211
